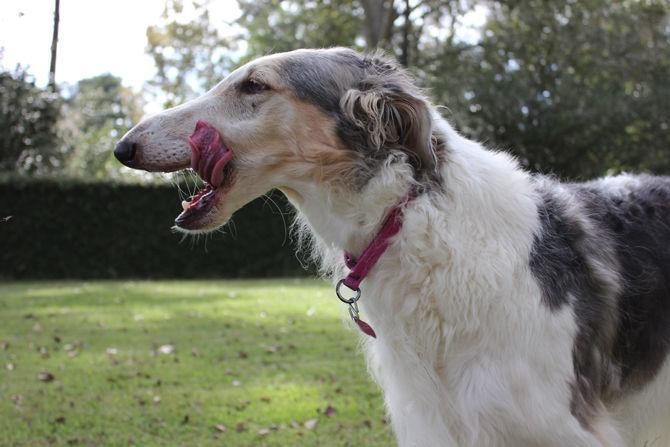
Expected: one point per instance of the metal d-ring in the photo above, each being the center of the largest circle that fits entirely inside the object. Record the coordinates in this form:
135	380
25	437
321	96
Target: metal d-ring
347	300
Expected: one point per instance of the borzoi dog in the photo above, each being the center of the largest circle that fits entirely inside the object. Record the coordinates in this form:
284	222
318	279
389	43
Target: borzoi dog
503	308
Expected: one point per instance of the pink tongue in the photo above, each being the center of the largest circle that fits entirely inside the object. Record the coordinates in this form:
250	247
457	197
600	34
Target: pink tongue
208	154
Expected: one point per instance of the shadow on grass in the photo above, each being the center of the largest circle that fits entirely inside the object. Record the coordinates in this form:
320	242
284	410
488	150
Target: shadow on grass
160	366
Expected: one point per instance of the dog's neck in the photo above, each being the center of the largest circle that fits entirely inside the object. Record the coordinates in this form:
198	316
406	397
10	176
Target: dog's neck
347	221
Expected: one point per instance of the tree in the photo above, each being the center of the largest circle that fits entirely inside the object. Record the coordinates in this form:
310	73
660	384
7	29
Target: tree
99	111
190	55
575	88
28	117
54	47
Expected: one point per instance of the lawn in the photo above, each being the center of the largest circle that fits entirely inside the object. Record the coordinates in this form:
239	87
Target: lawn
182	363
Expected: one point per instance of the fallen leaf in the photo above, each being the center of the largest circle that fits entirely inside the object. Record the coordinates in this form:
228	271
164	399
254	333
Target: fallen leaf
195	352
237	383
17	399
4	345
240	427
265	399
37	327
46	376
10	367
272	349
44	352
157	399
220	427
329	411
73	354
112	351
310	423
166	349
264	431
295	424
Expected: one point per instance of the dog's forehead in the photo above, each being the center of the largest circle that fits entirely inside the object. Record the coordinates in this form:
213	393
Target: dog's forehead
320	76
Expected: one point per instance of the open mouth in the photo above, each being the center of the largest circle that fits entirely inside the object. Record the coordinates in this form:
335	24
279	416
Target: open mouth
210	159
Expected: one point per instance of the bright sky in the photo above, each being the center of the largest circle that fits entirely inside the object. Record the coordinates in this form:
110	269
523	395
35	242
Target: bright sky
95	37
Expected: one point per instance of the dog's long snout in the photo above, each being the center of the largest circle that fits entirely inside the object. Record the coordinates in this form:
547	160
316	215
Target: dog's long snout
125	151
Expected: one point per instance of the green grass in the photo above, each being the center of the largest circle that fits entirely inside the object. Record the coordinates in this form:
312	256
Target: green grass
260	358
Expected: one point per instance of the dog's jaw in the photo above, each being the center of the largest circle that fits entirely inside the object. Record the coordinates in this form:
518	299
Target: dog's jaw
211	160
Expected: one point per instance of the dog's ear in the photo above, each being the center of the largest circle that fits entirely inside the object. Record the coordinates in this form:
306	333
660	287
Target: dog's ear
393	114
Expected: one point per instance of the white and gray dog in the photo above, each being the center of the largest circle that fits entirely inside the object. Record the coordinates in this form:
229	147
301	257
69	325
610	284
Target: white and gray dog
510	309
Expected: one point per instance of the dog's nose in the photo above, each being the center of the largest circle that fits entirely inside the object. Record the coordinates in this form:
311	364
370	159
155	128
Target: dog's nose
125	151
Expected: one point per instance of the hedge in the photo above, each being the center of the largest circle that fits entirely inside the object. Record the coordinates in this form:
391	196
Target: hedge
56	230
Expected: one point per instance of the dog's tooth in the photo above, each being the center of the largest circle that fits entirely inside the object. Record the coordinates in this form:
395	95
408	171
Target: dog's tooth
185	204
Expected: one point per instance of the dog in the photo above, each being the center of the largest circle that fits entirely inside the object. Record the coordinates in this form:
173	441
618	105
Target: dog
509	309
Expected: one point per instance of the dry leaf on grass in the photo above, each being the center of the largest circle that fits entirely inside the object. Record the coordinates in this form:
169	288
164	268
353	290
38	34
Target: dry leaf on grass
329	411
310	423
166	349
46	376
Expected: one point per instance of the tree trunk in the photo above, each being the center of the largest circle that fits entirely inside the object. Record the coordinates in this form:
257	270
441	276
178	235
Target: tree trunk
406	28
379	18
54	48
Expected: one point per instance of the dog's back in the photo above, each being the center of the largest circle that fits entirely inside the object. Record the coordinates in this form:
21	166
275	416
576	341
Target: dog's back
636	216
604	250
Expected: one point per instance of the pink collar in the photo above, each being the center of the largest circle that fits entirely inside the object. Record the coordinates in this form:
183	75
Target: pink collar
361	267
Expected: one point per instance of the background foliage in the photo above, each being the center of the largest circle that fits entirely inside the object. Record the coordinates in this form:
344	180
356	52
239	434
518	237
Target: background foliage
104	230
575	88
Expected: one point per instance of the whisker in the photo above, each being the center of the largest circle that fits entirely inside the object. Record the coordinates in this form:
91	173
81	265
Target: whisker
266	198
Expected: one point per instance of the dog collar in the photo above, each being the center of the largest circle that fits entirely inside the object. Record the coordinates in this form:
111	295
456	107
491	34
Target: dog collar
359	268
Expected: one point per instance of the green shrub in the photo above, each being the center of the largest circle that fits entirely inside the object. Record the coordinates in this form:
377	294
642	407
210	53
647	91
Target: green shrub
94	230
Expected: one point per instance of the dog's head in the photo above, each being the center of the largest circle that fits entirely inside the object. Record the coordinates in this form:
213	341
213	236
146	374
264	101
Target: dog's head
325	117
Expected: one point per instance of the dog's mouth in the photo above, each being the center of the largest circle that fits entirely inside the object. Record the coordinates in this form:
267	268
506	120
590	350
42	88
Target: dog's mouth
211	160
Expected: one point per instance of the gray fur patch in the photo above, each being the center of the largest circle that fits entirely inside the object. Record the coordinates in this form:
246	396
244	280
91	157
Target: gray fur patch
603	250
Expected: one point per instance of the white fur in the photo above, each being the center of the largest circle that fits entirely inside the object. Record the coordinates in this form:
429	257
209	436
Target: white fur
467	354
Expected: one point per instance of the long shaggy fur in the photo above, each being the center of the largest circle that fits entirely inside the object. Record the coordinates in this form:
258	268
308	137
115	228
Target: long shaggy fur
511	310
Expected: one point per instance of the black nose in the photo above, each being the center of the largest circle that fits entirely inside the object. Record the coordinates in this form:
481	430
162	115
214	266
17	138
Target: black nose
125	151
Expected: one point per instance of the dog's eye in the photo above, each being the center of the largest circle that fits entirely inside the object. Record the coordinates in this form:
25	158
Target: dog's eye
251	87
